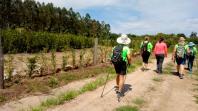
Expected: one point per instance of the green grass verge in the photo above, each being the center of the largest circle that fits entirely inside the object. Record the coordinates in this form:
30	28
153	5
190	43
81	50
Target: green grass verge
139	101
157	79
67	96
127	108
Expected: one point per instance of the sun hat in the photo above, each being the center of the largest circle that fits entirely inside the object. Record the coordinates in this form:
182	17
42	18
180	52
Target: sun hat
123	39
191	44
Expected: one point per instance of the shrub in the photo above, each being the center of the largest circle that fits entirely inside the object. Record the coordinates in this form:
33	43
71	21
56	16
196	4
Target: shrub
31	65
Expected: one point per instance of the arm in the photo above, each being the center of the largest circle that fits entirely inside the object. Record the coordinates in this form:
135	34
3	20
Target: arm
195	49
129	58
166	51
150	46
173	54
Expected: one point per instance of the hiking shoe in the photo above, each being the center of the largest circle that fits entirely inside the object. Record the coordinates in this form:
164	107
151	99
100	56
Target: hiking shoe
143	69
181	76
119	94
177	74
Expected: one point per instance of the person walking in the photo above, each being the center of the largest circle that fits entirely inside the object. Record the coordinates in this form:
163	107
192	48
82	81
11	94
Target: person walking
120	58
160	52
146	48
179	56
192	51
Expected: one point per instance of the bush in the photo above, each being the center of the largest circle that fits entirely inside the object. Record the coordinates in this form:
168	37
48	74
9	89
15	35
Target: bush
53	82
31	65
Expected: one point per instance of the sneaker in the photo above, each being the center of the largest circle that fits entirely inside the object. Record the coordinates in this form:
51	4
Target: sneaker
177	73
181	76
119	94
116	89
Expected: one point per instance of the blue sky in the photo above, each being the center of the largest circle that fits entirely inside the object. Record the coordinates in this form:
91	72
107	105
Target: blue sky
139	16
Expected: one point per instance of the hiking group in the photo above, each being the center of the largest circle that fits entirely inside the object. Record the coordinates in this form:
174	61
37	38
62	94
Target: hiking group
121	57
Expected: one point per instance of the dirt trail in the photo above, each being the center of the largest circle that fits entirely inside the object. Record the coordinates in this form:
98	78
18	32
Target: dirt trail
32	101
172	94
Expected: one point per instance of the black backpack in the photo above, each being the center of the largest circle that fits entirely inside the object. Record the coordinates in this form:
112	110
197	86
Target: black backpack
144	47
117	55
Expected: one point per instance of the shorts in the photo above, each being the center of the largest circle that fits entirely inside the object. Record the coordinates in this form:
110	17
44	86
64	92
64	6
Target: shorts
180	61
120	68
145	56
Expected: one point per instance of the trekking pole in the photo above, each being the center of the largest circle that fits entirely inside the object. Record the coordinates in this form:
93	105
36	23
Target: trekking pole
104	85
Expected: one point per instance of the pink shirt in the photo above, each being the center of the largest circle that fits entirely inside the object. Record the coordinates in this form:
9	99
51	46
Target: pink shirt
160	48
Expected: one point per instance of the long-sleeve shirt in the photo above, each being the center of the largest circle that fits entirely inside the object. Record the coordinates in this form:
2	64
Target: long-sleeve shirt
160	48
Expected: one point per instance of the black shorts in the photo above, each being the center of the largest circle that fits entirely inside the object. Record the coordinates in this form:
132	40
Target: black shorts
145	56
120	68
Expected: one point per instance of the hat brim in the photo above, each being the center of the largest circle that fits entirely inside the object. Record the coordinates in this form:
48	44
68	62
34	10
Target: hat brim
123	40
191	44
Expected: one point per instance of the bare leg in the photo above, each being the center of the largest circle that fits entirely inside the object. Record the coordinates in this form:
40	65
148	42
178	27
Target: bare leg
181	69
117	80
178	67
121	82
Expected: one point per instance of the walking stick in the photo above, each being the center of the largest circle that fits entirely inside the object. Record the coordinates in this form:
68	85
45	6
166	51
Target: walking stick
104	85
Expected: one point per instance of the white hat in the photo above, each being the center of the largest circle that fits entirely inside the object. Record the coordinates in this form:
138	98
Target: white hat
123	39
191	44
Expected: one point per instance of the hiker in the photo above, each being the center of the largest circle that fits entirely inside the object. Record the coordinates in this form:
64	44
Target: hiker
192	51
160	52
186	55
146	48
179	56
121	58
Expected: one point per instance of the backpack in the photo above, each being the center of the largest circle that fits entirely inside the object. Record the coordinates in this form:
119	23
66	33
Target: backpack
191	51
180	51
117	55
144	47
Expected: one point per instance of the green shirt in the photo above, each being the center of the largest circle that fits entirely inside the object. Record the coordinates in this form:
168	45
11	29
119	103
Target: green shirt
185	47
125	52
149	46
194	50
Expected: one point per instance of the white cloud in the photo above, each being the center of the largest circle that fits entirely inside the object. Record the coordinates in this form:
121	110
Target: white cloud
81	4
152	16
170	16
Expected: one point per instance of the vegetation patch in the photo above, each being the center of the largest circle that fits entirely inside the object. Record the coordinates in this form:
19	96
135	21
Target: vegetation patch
169	68
139	101
157	79
127	108
2	98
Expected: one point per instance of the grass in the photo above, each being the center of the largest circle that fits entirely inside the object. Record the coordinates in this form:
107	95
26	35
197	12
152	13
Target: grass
2	98
127	108
69	95
53	82
157	79
139	101
169	68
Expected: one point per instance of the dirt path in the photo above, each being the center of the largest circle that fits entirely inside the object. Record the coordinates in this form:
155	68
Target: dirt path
171	94
32	101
